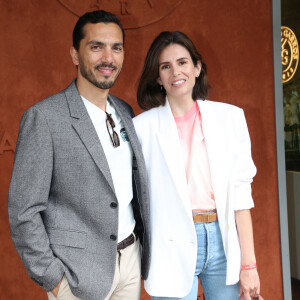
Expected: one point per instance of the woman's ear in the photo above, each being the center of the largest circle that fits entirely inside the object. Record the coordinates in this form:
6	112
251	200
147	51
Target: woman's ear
159	81
198	69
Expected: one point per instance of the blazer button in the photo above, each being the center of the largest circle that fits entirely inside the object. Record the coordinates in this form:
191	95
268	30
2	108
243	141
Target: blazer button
113	205
113	237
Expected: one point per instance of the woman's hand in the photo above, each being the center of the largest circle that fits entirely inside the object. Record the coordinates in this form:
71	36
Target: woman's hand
249	280
249	284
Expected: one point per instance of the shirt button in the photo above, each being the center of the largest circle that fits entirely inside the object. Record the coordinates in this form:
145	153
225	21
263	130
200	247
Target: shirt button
113	237
113	205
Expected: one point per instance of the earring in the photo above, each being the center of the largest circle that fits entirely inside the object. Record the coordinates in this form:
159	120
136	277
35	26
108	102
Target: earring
161	87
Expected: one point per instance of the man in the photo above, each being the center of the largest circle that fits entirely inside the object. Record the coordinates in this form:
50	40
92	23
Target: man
74	200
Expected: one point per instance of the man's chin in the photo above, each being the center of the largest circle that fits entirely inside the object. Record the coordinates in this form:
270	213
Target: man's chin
103	85
106	85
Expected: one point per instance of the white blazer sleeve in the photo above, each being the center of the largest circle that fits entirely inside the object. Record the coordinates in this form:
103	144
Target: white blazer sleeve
244	169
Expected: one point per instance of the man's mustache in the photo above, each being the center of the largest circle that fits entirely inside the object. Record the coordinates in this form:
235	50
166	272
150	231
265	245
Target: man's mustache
106	66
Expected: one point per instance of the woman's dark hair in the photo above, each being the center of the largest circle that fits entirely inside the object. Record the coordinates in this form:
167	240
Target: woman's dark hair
94	17
149	93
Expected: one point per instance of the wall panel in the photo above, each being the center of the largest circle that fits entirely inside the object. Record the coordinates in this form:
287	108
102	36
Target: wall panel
235	39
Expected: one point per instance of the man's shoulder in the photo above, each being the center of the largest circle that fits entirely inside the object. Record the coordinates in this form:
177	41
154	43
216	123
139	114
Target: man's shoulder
48	101
54	101
119	100
121	103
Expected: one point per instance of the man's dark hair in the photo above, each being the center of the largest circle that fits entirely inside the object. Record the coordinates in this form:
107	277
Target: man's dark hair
93	17
149	93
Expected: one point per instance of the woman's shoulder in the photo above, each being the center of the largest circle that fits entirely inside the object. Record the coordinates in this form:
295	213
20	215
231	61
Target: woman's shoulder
222	107
220	104
146	123
146	116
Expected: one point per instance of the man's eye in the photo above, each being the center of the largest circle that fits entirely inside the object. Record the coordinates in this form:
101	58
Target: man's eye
96	47
118	49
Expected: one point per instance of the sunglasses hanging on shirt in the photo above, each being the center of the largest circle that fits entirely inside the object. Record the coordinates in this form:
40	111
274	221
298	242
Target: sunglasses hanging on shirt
110	125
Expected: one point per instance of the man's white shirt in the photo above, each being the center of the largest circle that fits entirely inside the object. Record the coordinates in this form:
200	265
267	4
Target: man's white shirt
119	161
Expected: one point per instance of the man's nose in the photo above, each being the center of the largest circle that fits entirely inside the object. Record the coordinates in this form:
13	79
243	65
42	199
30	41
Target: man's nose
107	56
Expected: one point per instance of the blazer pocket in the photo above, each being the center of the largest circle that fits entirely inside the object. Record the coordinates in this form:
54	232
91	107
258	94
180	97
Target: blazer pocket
61	237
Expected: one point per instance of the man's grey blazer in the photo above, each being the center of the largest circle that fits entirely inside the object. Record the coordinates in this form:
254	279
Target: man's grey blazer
61	205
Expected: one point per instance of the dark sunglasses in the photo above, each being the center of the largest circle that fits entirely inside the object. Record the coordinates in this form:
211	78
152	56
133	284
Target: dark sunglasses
110	125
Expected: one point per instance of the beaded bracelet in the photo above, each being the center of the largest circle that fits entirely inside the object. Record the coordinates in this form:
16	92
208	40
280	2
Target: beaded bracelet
248	267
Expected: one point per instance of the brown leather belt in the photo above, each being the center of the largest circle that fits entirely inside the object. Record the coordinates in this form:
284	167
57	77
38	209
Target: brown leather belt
125	243
205	218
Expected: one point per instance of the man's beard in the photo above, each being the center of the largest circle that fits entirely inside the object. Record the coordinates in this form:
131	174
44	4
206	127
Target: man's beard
89	76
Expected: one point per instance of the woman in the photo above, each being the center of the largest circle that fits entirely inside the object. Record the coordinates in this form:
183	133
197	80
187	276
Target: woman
199	165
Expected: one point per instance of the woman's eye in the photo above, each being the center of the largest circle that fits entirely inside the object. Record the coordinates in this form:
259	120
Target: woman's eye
182	62
164	67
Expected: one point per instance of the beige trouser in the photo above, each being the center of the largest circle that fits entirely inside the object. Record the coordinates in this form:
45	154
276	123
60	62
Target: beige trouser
127	279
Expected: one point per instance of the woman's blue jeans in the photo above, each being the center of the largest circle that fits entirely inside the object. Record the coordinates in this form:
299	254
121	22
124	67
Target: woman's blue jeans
210	267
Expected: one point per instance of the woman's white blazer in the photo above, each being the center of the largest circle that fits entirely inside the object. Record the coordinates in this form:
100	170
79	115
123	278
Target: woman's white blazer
174	242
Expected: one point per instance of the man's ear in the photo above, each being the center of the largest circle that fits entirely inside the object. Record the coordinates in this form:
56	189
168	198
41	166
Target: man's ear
74	55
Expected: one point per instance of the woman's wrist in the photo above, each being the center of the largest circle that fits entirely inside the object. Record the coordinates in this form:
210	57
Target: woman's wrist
249	266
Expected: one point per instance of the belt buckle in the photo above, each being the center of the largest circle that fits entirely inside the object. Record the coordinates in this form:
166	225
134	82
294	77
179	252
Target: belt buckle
206	218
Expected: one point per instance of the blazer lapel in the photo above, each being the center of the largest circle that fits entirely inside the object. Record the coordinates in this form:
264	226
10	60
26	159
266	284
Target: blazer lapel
218	157
136	148
84	127
127	122
139	161
171	148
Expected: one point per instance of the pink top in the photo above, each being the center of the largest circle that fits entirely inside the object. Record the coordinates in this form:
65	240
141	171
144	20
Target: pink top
196	161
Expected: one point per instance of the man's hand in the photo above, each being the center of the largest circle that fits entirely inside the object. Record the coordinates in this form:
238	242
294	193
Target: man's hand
55	290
